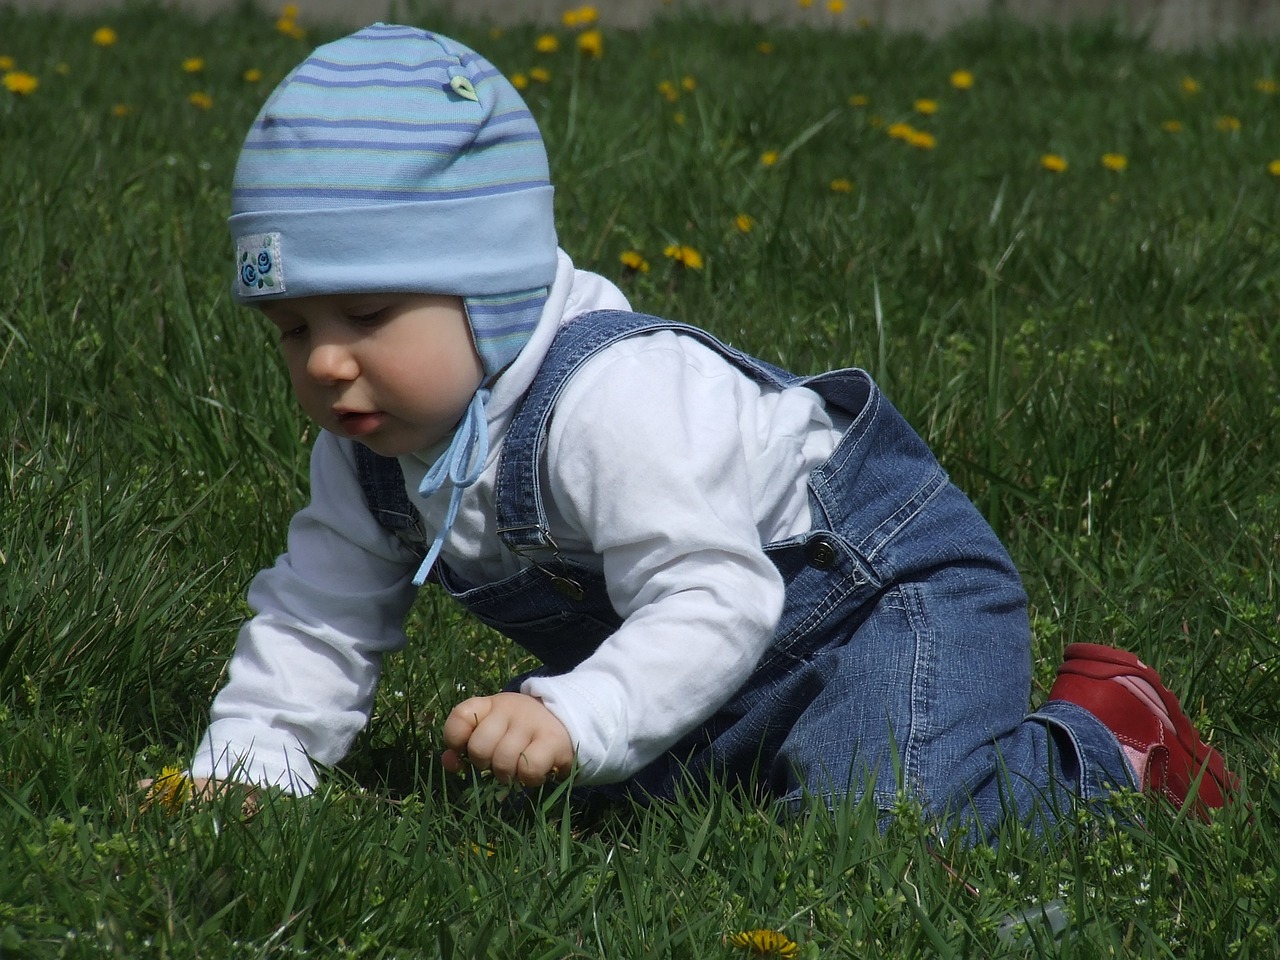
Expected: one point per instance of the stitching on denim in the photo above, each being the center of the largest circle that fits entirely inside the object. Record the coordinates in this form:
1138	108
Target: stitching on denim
921	630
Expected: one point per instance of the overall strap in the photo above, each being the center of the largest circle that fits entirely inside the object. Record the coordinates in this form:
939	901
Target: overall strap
382	482
521	512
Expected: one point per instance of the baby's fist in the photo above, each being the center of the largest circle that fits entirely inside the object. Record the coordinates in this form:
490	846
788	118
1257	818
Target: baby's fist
512	734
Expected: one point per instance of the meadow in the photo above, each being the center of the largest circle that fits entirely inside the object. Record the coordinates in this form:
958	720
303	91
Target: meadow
1056	250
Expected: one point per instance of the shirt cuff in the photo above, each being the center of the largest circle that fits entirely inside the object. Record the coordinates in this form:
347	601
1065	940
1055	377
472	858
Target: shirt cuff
246	753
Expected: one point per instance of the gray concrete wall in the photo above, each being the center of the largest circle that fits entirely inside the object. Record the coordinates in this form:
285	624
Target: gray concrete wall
1170	23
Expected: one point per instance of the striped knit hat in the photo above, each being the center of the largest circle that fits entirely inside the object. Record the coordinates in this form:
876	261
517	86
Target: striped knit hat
399	161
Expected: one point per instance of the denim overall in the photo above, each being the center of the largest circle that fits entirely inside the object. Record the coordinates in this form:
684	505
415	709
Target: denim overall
902	658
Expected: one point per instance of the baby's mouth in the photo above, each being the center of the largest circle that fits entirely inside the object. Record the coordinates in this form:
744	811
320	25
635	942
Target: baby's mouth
356	423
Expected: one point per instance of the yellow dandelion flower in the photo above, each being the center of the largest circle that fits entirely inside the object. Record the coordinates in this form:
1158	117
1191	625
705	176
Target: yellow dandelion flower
290	11
926	107
668	91
841	185
804	4
686	256
7	63
201	100
678	118
835	7
1273	168
1053	162
121	110
922	140
768	158
540	74
1227	124
170	791
765	47
105	37
962	79
290	27
744	222
547	43
1266	85
859	100
1115	161
193	65
901	131
520	81
1189	85
1171	126
252	75
591	42
688	83
772	943
579	17
21	83
634	261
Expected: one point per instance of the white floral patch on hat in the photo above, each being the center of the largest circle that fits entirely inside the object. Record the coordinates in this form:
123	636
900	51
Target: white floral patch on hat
259	265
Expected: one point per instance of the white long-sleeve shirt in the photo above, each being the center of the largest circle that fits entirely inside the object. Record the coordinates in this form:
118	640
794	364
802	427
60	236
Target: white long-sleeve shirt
667	470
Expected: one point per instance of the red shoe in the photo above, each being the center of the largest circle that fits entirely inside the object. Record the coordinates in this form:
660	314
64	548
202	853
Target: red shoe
1158	740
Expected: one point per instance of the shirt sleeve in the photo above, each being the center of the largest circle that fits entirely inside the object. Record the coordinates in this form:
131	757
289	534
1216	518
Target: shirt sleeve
302	679
646	458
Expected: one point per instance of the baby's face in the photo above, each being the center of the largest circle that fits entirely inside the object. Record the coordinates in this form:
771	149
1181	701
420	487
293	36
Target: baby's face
394	371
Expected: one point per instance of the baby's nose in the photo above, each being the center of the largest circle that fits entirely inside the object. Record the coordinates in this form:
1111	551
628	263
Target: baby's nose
331	363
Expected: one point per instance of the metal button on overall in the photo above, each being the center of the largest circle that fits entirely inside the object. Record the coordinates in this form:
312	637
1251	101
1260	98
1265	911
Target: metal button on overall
820	553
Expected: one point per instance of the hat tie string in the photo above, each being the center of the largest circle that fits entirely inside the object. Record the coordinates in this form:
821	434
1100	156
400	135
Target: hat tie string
460	465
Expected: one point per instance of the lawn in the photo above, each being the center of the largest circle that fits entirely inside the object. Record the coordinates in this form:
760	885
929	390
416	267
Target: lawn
1056	250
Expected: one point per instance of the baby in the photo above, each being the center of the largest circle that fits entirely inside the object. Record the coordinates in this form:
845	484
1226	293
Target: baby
728	572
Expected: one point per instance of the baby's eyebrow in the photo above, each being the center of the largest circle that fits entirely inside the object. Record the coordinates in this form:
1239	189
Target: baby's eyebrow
278	315
368	302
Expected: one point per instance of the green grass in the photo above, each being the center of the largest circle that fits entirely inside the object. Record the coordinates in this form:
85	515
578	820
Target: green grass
1093	354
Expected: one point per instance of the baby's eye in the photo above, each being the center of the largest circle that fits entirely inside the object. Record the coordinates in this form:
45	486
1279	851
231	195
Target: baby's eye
367	319
292	333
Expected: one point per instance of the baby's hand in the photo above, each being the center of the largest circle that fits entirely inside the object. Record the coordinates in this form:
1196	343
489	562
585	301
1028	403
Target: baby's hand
173	789
512	734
